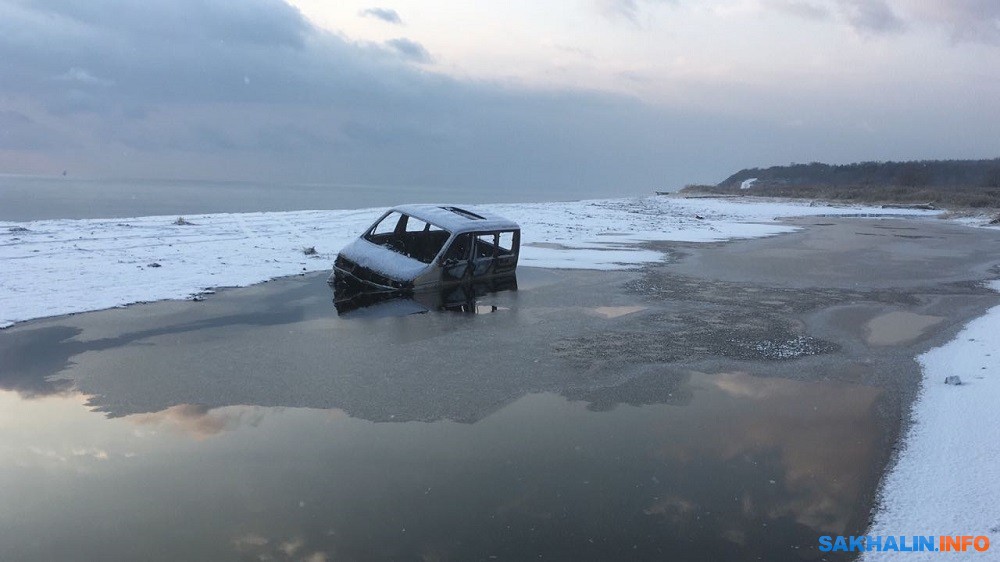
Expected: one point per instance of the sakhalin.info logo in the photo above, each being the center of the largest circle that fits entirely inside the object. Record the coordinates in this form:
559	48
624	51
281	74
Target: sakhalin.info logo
902	543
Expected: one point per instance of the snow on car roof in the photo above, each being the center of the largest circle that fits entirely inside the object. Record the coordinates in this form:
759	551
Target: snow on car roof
458	219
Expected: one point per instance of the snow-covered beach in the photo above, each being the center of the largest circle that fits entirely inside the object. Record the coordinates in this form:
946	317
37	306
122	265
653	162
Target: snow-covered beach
945	481
54	267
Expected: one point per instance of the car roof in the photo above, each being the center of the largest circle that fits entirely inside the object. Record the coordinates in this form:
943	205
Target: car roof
458	219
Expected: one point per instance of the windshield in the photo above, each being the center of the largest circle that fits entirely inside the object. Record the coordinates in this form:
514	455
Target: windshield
409	236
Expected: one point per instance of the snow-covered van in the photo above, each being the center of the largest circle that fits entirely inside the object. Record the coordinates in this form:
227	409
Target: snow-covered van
422	246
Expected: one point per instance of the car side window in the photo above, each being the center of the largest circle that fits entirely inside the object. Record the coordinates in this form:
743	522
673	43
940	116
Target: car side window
416	225
505	243
486	245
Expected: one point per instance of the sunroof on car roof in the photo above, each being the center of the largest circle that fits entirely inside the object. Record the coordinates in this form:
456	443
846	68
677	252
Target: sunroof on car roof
464	213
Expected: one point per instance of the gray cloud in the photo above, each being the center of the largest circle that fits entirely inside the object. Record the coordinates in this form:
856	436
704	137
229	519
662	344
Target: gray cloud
255	22
619	9
868	17
625	10
410	50
966	20
175	88
871	16
81	76
800	8
152	51
385	14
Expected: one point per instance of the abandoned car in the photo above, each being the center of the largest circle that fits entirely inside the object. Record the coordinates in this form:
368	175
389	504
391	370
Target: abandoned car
416	247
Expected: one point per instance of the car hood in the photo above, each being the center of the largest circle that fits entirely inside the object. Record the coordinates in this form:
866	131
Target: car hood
383	260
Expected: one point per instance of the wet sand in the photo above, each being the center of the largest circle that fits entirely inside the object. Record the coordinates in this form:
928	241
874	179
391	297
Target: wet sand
735	402
898	327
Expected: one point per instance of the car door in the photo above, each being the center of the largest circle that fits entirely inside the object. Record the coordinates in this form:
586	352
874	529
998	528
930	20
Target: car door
456	263
508	242
484	254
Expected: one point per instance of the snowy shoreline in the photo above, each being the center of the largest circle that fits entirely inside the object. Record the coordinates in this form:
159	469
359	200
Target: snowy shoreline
55	267
946	479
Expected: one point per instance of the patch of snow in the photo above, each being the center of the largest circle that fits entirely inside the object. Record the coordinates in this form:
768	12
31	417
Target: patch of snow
945	480
798	346
747	184
982	221
55	267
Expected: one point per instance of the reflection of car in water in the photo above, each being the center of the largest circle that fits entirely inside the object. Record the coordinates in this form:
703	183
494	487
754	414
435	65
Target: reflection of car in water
413	247
352	301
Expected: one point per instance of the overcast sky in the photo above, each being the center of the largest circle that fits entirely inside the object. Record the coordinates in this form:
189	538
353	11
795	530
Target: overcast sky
606	95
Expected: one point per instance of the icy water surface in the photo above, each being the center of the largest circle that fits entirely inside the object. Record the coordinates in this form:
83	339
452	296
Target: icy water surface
262	425
713	471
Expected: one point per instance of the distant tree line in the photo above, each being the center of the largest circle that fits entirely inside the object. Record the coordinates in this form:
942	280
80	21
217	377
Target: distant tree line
956	183
923	173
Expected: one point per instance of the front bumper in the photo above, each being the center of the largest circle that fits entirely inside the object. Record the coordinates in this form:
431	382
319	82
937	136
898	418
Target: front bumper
348	273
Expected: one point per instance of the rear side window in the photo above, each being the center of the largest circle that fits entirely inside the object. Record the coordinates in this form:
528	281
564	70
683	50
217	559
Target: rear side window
506	242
